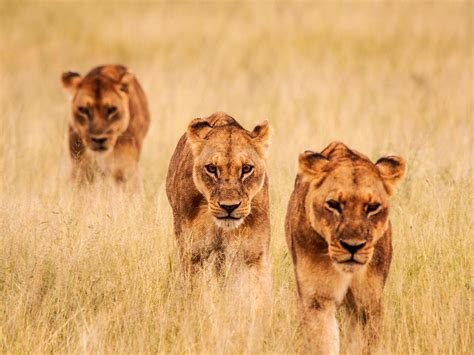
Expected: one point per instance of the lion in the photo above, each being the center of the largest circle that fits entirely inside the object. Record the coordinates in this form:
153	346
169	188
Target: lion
217	186
108	123
340	239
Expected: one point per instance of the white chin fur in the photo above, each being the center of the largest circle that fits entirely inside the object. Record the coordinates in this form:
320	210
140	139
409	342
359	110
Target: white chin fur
228	223
349	268
100	153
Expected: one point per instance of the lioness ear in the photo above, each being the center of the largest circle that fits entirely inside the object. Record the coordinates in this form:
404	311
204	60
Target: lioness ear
312	163
392	170
125	81
71	80
196	133
261	137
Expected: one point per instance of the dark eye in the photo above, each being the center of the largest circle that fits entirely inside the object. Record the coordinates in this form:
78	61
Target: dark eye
246	169
83	110
211	169
372	207
334	205
111	110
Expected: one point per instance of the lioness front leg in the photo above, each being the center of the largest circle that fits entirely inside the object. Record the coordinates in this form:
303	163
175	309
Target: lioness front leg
320	325
256	277
125	166
370	317
81	172
199	245
245	273
364	310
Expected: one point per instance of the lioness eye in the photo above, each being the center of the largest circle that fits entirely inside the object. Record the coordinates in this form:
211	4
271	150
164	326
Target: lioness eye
111	110
372	207
211	169
334	205
84	110
246	168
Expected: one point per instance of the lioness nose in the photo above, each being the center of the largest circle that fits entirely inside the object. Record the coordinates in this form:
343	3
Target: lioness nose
350	247
99	141
229	208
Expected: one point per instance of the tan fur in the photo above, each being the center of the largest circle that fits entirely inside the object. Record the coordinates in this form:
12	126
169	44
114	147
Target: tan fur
109	120
317	228
197	196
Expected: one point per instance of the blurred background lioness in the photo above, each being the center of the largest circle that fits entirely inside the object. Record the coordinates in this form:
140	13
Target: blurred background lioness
109	120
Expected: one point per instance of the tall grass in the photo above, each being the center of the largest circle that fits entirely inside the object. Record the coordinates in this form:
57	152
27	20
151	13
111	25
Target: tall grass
92	273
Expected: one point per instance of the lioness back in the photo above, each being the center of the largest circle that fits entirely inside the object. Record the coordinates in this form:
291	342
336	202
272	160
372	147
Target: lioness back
109	120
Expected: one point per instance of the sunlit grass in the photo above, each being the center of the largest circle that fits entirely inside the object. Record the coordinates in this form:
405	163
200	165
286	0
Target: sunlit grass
90	273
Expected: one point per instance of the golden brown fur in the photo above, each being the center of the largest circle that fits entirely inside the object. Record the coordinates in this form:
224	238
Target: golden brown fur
217	186
339	236
109	120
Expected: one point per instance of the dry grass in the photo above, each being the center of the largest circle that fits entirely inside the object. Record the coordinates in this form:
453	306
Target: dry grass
91	274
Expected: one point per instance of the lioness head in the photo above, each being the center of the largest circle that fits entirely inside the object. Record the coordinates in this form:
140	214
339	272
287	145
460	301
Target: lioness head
229	165
100	109
348	199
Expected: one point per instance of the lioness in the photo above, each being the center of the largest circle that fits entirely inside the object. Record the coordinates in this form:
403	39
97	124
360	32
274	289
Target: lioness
217	186
339	236
108	123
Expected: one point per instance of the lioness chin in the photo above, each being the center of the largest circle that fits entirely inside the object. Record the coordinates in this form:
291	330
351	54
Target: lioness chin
217	186
339	236
109	120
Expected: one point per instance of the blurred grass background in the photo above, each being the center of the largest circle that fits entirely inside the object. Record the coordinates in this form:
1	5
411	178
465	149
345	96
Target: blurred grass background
95	274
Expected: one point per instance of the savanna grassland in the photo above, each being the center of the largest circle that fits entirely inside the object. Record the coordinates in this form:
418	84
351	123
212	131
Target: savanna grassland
91	272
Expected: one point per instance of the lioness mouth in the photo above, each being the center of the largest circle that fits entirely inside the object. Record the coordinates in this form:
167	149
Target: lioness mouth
350	262
229	217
